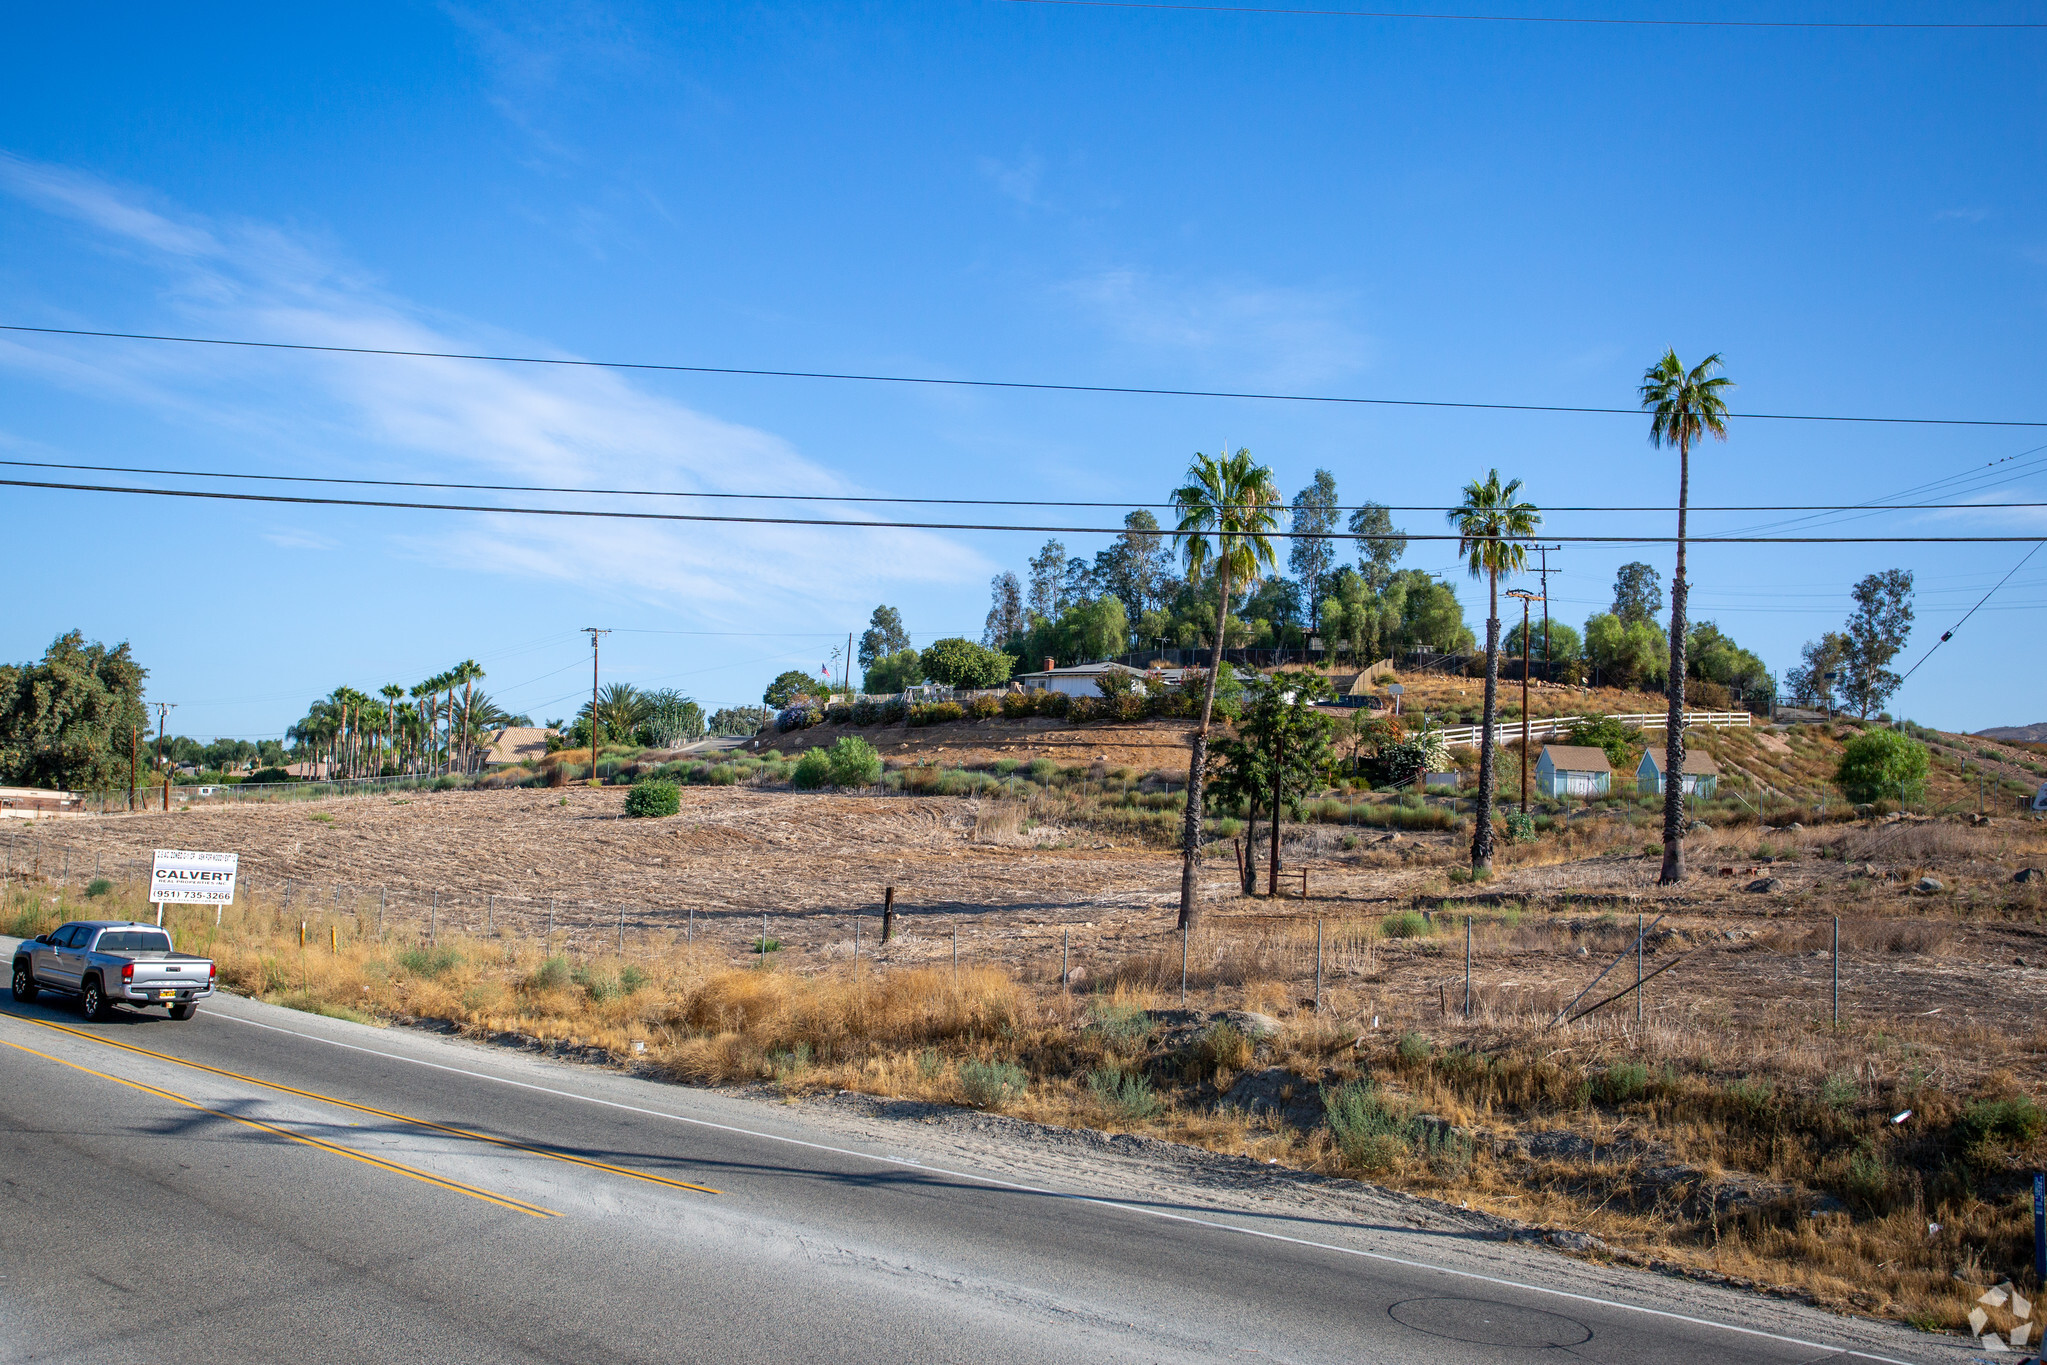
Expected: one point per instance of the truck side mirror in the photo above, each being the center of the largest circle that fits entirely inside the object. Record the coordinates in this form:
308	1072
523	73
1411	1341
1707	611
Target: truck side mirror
42	938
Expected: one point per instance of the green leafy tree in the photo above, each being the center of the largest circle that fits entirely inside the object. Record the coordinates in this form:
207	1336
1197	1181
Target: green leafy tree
897	672
1493	526
1616	739
732	721
621	710
884	636
1137	567
1292	740
1711	655
959	662
1429	614
1312	557
1237	780
1818	675
1684	406
1006	618
1228	507
1380	544
1626	654
1883	764
1637	592
1563	643
786	688
1876	632
65	721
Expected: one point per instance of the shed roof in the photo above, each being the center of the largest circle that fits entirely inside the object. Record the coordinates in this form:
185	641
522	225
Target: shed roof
519	744
1696	764
1094	670
1577	758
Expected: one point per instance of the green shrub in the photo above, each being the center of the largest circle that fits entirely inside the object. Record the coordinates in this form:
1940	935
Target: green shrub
1414	1049
651	796
813	770
989	1084
429	962
270	775
1126	1094
1879	764
1623	1081
2014	1121
1370	1131
1042	771
852	762
1081	710
937	713
1019	705
1120	1028
97	887
1404	924
985	706
1052	704
1520	828
1005	766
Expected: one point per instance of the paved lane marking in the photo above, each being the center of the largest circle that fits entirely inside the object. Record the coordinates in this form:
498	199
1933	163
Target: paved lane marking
551	1153
503	1201
1384	1258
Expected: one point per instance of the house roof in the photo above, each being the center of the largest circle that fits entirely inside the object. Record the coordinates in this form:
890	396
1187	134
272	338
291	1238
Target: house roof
1577	758
1696	764
1084	671
518	744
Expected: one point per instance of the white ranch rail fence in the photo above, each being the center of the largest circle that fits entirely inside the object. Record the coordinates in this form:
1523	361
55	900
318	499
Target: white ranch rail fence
1550	727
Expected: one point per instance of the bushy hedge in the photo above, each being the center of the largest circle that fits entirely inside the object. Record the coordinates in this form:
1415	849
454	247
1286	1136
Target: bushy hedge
852	762
652	796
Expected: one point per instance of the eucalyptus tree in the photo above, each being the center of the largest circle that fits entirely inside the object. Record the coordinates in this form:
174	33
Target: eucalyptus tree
1228	509
1493	526
1683	406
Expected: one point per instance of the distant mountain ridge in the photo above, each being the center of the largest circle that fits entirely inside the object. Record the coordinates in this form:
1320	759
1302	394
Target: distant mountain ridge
2031	734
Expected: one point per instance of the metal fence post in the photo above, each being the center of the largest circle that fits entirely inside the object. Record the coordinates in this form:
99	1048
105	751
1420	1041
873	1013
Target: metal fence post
1318	963
1467	966
1183	966
1837	971
621	928
433	921
955	956
691	935
1066	960
381	893
1639	933
490	915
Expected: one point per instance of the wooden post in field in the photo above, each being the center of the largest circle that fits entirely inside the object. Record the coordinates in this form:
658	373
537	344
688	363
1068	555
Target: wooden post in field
1837	971
380	912
334	939
1066	960
1183	965
690	935
433	921
888	913
621	928
1640	933
1467	966
1318	959
490	915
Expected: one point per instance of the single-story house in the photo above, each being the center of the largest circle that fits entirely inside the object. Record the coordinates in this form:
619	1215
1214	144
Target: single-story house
1075	680
38	801
1573	770
517	744
314	770
1701	773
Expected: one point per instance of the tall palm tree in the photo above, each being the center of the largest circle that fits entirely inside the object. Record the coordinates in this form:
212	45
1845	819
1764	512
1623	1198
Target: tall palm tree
1492	527
1227	508
392	694
1683	405
466	673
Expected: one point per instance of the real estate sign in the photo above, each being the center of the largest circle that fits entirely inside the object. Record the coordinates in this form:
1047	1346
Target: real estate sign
183	877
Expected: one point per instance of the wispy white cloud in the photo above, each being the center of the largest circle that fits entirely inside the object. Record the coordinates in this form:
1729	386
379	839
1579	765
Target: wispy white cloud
1962	215
295	539
1018	182
461	420
1263	333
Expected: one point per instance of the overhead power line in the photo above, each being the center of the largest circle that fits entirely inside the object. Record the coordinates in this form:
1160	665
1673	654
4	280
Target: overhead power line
945	382
940	502
1516	18
606	515
1949	633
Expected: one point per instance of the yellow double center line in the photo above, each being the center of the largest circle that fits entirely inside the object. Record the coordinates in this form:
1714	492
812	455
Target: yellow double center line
510	1144
503	1201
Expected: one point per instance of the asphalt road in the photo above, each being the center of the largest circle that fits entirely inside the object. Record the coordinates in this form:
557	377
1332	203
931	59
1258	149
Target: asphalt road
259	1184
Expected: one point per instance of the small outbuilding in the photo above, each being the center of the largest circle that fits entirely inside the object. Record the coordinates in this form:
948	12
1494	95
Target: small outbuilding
1573	770
1701	773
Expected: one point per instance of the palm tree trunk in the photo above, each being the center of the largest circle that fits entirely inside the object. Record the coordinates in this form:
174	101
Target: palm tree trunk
1197	762
1674	722
1488	775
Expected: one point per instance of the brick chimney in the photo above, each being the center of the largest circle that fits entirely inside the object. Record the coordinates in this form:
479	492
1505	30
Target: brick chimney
1050	664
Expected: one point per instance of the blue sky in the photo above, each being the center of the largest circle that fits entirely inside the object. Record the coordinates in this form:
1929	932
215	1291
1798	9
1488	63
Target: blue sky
1497	212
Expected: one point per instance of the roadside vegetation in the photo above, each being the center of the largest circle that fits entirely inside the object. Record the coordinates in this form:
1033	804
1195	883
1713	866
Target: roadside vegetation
1760	1147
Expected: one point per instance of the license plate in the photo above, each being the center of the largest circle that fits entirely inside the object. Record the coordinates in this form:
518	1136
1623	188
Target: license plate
166	995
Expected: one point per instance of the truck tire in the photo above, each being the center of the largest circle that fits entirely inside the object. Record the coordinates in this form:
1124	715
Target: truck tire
25	988
92	1000
183	1010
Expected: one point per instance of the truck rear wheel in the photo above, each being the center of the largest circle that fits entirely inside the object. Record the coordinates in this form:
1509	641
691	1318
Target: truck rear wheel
25	988
183	1010
92	1001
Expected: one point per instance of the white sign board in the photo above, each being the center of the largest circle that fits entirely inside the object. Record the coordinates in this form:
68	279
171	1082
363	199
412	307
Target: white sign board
180	876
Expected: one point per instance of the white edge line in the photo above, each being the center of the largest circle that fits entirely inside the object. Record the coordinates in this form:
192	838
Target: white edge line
1082	1198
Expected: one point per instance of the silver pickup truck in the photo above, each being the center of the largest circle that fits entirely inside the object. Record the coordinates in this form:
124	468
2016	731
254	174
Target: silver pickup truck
103	961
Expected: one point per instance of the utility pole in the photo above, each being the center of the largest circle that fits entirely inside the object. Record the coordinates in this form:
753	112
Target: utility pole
134	758
849	668
1549	672
1526	597
163	709
593	632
